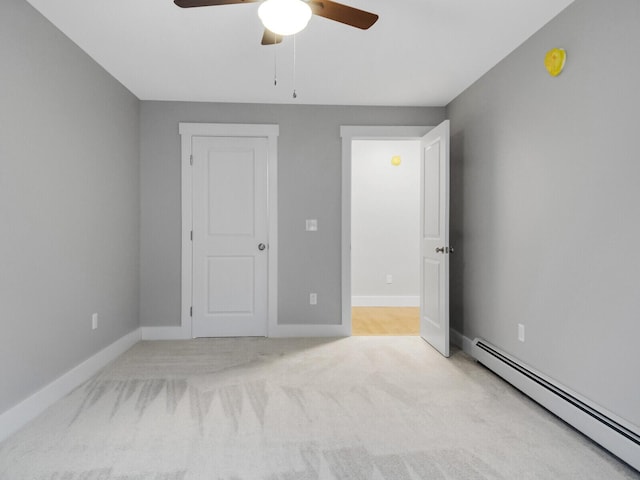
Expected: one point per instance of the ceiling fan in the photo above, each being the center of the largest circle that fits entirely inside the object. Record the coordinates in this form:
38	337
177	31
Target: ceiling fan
287	17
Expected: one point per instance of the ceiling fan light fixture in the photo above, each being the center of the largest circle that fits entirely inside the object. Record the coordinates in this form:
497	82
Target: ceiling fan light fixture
284	17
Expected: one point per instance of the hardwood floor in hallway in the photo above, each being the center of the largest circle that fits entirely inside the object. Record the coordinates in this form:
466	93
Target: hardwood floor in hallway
374	321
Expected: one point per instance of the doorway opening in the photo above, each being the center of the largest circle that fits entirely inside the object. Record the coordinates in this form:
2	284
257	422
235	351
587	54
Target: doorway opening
385	247
434	224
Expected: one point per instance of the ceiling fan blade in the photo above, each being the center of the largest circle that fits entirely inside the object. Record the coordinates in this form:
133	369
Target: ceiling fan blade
209	3
343	13
270	38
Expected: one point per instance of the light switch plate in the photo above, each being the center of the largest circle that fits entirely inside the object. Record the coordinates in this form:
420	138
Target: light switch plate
312	225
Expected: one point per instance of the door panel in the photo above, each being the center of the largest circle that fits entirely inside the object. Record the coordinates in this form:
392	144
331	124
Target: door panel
229	223
431	208
434	242
230	286
431	274
231	176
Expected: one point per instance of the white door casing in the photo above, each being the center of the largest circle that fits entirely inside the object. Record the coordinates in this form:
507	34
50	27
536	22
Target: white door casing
232	288
434	239
229	236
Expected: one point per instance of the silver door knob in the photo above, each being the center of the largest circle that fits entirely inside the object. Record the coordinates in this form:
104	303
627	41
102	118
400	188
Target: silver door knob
439	249
261	246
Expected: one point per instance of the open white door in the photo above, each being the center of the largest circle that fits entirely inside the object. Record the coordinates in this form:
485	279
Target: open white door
434	239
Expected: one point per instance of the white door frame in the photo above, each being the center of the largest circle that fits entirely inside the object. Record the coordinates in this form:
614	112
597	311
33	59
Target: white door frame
187	132
348	134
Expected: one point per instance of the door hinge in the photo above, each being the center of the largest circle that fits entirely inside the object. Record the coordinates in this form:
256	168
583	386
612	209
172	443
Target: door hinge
191	311
192	235
190	159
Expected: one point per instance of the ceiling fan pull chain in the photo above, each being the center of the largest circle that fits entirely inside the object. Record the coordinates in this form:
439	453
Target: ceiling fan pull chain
275	59
295	95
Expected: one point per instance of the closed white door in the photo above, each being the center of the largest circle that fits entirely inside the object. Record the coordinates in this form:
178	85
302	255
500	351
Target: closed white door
434	241
230	261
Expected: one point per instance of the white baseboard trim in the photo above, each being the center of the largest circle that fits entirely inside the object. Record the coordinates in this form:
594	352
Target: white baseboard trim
455	337
19	415
463	343
386	301
275	331
281	331
165	333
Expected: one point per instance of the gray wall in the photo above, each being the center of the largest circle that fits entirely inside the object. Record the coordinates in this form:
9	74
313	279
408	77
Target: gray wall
309	185
546	204
69	204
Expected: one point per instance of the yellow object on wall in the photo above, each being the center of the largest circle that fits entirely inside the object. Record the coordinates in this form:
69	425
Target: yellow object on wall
396	160
554	61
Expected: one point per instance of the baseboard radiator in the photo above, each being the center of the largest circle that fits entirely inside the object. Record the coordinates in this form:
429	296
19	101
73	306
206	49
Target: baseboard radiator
619	437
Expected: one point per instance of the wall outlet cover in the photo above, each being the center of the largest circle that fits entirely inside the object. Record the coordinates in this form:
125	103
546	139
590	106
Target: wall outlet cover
521	332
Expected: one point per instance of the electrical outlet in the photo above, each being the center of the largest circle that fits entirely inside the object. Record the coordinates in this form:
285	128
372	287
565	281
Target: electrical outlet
389	278
94	321
313	299
521	332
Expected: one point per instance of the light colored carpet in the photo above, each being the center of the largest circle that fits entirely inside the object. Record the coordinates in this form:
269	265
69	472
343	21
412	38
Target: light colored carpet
380	408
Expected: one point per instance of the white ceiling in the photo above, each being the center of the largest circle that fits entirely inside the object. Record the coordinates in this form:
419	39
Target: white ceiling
420	52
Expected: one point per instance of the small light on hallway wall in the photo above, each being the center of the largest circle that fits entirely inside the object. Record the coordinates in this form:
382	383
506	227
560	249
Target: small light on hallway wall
396	160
